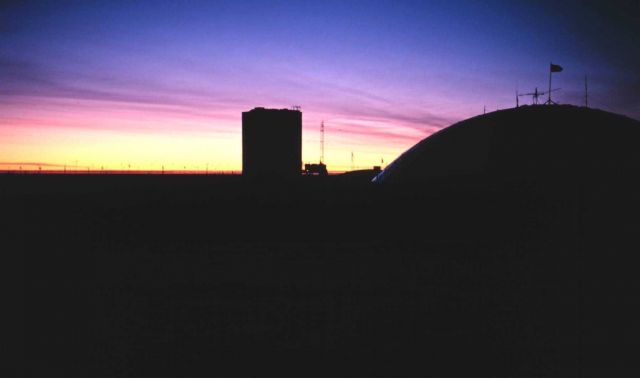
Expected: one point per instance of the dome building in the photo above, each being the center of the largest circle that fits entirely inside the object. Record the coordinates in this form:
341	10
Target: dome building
530	142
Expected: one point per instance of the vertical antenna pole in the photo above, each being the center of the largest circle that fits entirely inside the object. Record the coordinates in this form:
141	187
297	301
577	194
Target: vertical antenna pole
322	142
549	93
586	93
353	166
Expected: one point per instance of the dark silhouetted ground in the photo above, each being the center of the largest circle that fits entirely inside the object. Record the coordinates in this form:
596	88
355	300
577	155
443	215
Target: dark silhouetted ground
189	276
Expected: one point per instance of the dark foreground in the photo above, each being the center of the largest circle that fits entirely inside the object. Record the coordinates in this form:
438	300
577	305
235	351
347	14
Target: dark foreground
189	276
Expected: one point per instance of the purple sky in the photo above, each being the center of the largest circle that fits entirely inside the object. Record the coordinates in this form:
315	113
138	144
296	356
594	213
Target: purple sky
153	83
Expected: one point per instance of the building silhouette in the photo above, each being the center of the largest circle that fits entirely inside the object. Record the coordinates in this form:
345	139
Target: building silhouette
271	143
319	169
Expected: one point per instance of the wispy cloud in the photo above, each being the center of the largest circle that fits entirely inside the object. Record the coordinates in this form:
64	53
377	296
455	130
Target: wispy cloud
33	84
32	164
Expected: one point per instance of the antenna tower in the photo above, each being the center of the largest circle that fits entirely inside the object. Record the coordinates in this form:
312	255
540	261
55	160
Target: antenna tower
535	95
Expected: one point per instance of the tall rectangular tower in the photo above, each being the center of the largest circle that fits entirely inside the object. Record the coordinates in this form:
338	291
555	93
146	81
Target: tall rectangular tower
271	143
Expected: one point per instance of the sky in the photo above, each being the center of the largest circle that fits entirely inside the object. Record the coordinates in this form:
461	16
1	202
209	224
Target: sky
144	85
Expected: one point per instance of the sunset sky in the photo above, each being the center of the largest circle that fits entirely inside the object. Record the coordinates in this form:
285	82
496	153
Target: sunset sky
159	83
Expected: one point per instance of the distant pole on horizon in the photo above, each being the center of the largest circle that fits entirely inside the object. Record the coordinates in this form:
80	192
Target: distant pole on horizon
322	142
586	93
353	164
549	93
517	102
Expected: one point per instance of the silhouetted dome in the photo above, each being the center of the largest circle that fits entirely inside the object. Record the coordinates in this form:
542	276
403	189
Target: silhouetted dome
533	142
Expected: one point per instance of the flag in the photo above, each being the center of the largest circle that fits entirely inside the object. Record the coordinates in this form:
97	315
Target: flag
555	68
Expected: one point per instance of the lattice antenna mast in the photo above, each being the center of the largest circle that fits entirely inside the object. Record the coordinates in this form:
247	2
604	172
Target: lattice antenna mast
322	142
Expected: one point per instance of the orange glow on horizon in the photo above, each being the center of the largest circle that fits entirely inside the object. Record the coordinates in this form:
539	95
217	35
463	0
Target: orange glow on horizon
88	135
